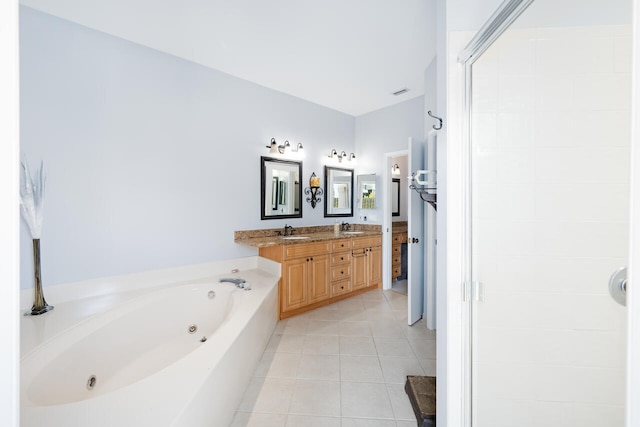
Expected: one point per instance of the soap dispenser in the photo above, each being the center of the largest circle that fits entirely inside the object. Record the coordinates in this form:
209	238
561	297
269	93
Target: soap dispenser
336	228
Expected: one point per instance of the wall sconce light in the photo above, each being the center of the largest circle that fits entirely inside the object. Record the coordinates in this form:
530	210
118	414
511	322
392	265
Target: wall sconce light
285	148
314	190
395	169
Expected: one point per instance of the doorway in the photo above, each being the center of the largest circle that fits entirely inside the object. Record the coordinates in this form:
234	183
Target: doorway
399	220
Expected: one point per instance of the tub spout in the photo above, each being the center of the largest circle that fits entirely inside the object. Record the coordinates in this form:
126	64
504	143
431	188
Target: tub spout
241	283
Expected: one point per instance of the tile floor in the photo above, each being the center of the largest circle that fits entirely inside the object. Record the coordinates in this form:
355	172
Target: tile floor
342	365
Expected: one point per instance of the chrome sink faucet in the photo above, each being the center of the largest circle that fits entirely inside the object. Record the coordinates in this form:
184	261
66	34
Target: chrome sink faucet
345	226
288	230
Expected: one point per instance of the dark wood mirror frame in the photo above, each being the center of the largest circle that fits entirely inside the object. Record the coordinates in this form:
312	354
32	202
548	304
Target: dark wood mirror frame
329	210
273	186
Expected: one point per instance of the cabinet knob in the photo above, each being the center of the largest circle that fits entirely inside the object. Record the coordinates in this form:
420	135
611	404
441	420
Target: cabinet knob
341	258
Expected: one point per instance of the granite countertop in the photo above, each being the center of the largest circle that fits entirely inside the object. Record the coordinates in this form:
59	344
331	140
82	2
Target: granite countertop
269	237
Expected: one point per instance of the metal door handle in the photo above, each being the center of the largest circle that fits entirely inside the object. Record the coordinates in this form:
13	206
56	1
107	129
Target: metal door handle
414	240
618	286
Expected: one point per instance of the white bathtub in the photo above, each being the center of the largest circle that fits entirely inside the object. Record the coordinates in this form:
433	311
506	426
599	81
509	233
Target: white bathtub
180	353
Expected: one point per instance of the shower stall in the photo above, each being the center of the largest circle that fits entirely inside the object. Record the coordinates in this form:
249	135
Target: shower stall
548	131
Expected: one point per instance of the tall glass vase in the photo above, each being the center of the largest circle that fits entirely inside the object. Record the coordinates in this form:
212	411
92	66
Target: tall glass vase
40	306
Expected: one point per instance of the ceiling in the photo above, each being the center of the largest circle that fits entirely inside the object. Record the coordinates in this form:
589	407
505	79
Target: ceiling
346	55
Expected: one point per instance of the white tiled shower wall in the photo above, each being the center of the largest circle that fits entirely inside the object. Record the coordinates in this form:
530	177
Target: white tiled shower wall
550	131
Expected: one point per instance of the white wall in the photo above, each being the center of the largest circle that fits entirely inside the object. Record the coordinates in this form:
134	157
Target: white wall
9	214
151	161
385	131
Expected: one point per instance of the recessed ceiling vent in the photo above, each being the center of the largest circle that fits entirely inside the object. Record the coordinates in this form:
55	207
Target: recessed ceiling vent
400	92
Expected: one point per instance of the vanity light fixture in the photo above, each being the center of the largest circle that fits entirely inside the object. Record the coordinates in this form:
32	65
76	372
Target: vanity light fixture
343	155
285	149
395	169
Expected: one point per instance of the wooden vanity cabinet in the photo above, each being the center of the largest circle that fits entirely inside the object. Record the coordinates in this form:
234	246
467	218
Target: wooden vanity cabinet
316	274
397	239
341	267
367	262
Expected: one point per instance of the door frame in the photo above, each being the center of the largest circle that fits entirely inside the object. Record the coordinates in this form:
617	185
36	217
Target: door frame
387	226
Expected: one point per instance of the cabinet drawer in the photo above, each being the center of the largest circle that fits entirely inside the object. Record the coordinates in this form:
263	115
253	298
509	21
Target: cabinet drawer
367	242
340	245
341	258
341	287
296	251
396	260
396	271
341	272
397	238
396	250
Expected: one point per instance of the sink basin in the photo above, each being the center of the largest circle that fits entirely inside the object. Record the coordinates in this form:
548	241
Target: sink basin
352	232
295	237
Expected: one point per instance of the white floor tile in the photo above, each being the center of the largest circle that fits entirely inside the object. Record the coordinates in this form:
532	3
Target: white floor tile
343	365
365	400
365	422
316	398
425	349
393	347
359	346
360	368
312	421
400	403
278	365
321	344
285	343
323	327
396	369
267	395
319	367
385	328
355	328
258	419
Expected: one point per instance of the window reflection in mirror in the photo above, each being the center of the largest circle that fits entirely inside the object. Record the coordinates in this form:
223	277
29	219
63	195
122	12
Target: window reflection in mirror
367	191
338	189
281	192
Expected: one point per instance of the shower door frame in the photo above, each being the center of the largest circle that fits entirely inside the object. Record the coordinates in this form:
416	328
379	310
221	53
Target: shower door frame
461	327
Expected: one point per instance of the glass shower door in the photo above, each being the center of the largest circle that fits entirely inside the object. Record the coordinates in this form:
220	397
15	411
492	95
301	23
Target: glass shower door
550	136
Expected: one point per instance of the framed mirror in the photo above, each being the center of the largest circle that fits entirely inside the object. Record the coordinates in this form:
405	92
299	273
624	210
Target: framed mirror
338	190
281	192
395	197
367	191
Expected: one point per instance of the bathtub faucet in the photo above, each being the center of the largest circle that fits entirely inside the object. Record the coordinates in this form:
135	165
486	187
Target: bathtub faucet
241	283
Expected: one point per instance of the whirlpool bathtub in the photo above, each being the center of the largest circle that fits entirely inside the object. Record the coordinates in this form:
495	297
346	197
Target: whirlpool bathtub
177	354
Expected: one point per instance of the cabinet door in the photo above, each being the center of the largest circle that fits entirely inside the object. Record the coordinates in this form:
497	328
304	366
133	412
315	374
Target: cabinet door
294	284
359	268
374	258
318	278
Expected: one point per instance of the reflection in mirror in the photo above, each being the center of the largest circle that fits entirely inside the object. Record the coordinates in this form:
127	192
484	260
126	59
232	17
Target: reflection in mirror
281	192
338	188
367	191
395	197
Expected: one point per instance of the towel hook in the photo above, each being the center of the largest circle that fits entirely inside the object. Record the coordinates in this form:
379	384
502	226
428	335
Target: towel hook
437	118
